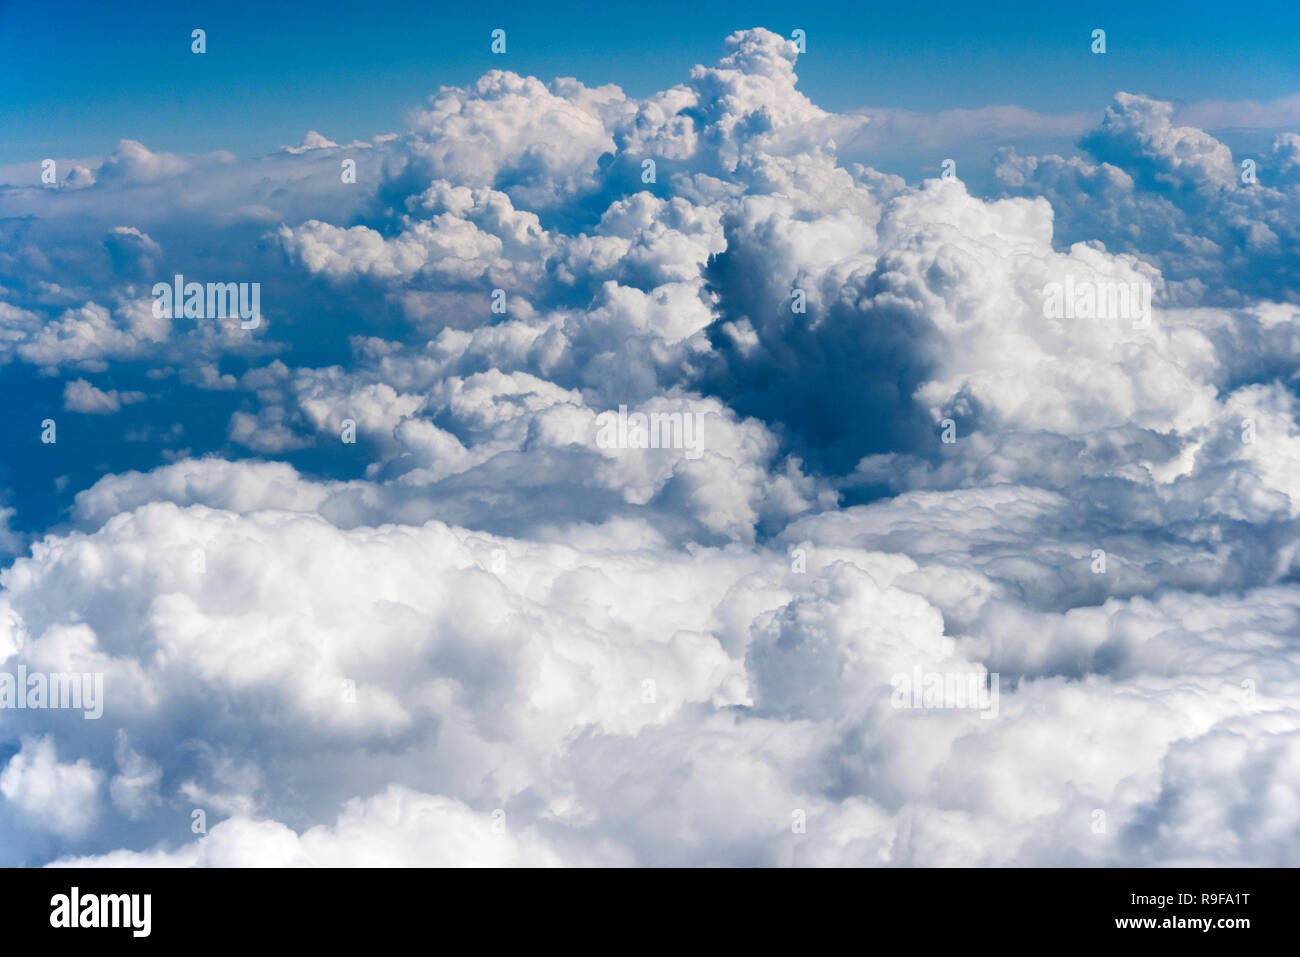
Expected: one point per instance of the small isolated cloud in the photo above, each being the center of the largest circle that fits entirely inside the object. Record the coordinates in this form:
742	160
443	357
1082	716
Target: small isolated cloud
80	396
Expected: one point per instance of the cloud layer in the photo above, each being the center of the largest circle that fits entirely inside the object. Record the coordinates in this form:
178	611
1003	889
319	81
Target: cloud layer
397	602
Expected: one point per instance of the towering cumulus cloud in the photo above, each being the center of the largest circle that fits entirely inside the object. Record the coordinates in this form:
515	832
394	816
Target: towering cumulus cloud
639	481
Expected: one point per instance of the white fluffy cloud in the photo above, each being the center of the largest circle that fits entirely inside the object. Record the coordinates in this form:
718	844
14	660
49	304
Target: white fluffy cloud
61	798
80	396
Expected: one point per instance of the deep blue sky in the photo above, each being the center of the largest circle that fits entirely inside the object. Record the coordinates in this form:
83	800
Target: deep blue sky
77	76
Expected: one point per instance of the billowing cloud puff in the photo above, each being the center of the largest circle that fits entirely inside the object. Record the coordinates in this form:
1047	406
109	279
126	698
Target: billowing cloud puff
1222	226
81	396
540	142
135	162
61	798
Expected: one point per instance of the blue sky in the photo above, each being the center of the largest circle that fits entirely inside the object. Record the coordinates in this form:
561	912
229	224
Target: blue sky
79	76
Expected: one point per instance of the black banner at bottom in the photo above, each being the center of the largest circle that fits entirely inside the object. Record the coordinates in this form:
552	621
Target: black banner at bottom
1217	908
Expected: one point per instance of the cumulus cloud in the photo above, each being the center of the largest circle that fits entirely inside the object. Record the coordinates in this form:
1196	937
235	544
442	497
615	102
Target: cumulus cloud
541	140
57	797
134	253
134	162
80	396
1219	225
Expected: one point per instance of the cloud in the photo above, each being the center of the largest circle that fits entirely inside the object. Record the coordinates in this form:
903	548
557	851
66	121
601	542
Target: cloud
87	337
541	141
80	396
11	541
1242	114
134	253
890	128
61	798
315	141
135	162
1176	196
399	828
